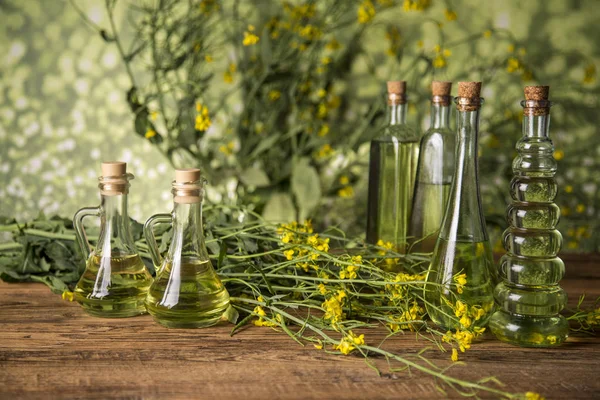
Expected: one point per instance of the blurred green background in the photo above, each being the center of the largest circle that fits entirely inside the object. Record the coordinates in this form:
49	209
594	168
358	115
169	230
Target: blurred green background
63	107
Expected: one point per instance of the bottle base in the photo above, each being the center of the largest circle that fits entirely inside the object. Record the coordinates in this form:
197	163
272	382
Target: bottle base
529	331
186	319
112	309
187	324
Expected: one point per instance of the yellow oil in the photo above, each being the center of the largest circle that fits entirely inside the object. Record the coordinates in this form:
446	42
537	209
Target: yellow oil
187	293
392	171
428	210
113	287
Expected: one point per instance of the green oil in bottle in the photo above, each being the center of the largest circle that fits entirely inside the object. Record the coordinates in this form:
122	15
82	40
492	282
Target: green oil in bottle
113	286
429	205
187	294
452	297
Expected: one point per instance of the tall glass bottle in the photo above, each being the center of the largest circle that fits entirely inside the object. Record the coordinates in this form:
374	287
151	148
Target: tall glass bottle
529	296
434	173
392	169
186	293
115	280
462	275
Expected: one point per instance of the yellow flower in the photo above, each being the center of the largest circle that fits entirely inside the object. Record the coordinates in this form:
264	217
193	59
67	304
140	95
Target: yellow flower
322	289
227	149
534	396
228	75
318	346
324	130
258	310
208	58
420	44
322	111
366	12
208	6
203	121
551	339
347	192
580	208
393	36
416	5
67	295
153	115
454	356
512	64
441	55
310	32
289	254
589	74
450	15
460	309
357	340
150	133
249	37
325	151
487	34
344	180
569	189
559	155
511	48
274	95
333	44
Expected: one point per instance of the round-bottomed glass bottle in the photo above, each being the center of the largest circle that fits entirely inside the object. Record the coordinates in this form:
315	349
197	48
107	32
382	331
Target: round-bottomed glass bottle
187	292
392	170
434	173
529	296
115	281
462	275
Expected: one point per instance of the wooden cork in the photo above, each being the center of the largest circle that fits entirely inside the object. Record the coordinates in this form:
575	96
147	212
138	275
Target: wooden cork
115	179
114	168
396	92
469	89
537	93
396	87
187	175
187	188
440	92
536	100
468	96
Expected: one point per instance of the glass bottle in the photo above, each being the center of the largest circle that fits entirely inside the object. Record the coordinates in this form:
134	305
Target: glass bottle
115	281
434	173
392	169
529	296
186	293
462	275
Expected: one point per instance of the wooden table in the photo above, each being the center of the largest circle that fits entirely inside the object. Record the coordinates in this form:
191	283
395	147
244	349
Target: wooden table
50	349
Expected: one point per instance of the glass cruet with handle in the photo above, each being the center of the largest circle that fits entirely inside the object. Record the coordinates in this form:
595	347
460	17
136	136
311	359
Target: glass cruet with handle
115	280
187	292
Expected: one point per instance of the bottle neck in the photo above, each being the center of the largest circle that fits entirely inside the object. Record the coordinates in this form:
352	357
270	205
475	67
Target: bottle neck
115	233
464	219
440	116
188	234
396	114
536	126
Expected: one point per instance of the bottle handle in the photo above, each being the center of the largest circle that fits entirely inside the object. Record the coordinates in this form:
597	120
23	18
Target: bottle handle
151	239
82	239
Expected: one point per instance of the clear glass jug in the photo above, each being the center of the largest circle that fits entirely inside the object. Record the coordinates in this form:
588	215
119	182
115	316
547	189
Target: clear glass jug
115	280
187	292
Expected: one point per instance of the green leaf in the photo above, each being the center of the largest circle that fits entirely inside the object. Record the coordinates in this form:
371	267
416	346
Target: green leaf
255	176
279	208
306	187
231	314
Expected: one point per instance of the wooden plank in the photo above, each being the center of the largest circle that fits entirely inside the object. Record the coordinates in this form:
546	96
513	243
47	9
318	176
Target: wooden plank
50	349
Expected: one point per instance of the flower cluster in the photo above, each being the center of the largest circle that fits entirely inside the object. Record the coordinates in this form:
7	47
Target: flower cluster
333	307
469	314
407	320
349	342
305	245
462	338
203	121
350	271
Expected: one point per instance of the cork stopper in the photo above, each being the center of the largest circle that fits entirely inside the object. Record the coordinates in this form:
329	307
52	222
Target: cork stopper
468	96
536	100
441	88
187	187
114	168
187	175
537	93
396	87
469	89
115	179
396	92
440	91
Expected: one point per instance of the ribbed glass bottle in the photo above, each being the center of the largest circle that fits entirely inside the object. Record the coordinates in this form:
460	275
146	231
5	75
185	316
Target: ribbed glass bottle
529	296
434	173
462	275
392	170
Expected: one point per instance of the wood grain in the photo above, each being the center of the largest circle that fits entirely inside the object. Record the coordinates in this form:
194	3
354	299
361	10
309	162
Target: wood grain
50	349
